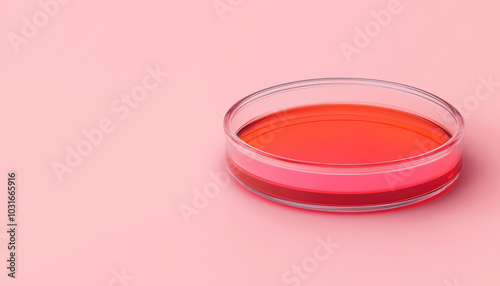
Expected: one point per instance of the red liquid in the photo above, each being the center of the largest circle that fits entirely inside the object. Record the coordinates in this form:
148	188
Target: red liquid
343	134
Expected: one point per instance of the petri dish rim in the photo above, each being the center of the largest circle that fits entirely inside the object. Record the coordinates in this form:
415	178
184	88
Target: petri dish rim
410	90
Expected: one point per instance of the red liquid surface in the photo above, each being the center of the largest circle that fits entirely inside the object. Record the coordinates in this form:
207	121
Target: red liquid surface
343	134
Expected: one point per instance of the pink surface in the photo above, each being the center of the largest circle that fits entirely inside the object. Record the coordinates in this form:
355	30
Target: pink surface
148	83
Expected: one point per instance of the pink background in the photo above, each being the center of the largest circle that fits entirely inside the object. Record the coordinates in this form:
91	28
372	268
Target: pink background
118	210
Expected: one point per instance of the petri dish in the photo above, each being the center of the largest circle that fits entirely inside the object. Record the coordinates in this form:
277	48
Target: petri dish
344	144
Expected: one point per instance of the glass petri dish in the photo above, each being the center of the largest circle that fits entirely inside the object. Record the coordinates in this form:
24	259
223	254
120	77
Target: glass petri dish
344	144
